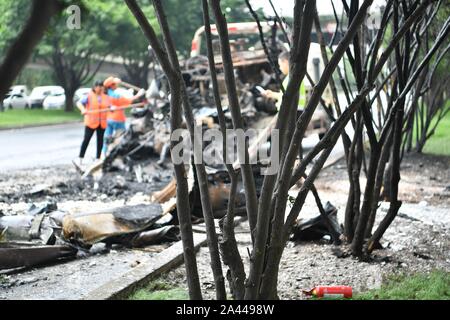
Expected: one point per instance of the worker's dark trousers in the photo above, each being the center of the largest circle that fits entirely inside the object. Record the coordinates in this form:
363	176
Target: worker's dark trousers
88	132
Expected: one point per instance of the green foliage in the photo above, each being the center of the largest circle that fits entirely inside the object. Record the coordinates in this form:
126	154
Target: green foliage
171	294
125	38
159	291
23	118
420	286
107	28
119	28
438	21
68	51
34	78
77	42
439	142
3	279
12	18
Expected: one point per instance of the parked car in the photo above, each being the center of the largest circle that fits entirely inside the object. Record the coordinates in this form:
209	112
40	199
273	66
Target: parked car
19	89
55	100
16	100
38	95
80	93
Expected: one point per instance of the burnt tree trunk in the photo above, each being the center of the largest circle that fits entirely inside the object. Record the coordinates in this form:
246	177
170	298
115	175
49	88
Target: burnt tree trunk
228	245
183	206
278	239
200	170
230	83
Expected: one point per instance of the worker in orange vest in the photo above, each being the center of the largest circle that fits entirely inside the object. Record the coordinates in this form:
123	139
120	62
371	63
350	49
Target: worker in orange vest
94	121
116	118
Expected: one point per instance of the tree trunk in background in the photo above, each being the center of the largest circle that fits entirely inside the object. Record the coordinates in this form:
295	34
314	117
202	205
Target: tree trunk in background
70	93
18	54
183	206
137	72
71	71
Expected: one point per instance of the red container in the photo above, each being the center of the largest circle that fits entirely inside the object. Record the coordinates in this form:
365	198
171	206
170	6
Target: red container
330	292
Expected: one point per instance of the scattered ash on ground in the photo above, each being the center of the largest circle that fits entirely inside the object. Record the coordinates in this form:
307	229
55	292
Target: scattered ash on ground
63	183
410	247
425	179
417	241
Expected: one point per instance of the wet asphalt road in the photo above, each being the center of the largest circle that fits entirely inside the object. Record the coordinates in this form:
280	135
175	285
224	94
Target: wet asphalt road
59	144
42	146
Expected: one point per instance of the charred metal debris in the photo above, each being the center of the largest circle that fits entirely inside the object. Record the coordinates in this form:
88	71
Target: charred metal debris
45	234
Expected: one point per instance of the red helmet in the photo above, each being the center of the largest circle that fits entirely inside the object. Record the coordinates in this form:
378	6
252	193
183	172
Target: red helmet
110	81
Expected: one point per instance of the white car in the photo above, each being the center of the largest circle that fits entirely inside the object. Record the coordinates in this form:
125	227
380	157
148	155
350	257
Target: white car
55	100
19	89
38	95
16	100
80	93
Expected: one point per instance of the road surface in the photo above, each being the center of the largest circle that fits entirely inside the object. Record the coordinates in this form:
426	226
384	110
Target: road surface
42	146
60	144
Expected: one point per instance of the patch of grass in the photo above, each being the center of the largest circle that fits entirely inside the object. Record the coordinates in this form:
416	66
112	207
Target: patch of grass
439	142
27	117
420	286
172	294
160	291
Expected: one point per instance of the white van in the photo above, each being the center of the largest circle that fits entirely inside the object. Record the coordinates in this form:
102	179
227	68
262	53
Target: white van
38	95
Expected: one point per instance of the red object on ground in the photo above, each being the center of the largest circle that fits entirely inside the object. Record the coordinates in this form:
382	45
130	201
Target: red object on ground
330	292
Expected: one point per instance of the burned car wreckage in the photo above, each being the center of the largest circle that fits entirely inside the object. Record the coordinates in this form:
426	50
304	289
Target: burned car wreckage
46	234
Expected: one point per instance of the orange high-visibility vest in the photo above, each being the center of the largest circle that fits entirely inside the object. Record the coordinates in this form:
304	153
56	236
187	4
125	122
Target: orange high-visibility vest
96	119
118	115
